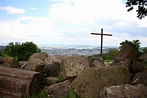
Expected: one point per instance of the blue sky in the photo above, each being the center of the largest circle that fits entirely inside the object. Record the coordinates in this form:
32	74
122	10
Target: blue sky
69	22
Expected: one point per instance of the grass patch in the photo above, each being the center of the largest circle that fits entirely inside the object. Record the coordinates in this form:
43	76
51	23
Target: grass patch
108	60
41	94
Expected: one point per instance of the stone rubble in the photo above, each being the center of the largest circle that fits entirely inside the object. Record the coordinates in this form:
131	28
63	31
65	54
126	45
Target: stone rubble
88	77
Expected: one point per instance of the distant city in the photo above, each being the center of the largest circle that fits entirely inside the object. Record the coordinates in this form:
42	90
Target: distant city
71	50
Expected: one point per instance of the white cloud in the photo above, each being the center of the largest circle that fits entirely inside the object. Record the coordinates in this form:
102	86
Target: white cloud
13	10
72	21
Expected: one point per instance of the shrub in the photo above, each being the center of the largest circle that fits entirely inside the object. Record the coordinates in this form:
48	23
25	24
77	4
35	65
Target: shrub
21	51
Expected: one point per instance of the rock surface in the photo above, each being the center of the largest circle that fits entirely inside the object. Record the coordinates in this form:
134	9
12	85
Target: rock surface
124	91
96	62
35	65
129	52
74	65
18	83
11	62
58	90
40	55
140	78
50	80
92	80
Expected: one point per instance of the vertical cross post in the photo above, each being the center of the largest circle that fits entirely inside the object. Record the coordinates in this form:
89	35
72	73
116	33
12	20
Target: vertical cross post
101	51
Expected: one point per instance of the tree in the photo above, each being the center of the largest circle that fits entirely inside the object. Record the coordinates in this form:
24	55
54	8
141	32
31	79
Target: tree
112	52
144	50
134	43
142	9
21	51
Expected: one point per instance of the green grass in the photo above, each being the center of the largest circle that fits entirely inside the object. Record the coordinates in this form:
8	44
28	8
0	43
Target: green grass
41	94
108	60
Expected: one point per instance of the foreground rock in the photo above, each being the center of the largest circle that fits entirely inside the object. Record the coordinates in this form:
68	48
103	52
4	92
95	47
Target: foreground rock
11	62
18	83
74	65
35	65
140	78
96	62
124	91
92	80
40	55
58	90
50	80
126	56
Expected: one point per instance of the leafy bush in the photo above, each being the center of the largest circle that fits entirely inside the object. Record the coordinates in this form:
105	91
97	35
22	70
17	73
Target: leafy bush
112	52
21	51
2	54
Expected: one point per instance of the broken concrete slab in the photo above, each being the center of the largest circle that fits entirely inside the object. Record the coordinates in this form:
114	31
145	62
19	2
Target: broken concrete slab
92	80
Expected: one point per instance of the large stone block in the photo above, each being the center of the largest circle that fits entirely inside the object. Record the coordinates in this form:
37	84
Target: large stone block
124	91
35	65
11	62
92	80
18	83
74	65
40	55
129	52
140	78
58	90
96	62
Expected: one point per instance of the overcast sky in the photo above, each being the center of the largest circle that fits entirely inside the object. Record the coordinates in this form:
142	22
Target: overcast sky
69	22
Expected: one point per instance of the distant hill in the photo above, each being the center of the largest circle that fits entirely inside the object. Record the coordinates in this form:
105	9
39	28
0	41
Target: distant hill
2	47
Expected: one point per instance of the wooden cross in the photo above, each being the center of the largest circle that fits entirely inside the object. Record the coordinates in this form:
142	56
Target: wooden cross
101	38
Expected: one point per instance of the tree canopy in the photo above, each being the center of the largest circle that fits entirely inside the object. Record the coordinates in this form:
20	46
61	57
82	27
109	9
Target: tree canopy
142	7
21	51
134	43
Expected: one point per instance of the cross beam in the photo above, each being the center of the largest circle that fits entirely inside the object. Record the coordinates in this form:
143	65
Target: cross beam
101	38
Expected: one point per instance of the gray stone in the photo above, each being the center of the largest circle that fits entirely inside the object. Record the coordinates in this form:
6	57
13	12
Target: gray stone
50	80
74	65
35	65
2	60
23	64
50	60
58	90
140	78
92	80
53	70
126	56
97	63
143	57
138	66
129	52
124	91
18	83
11	62
40	55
